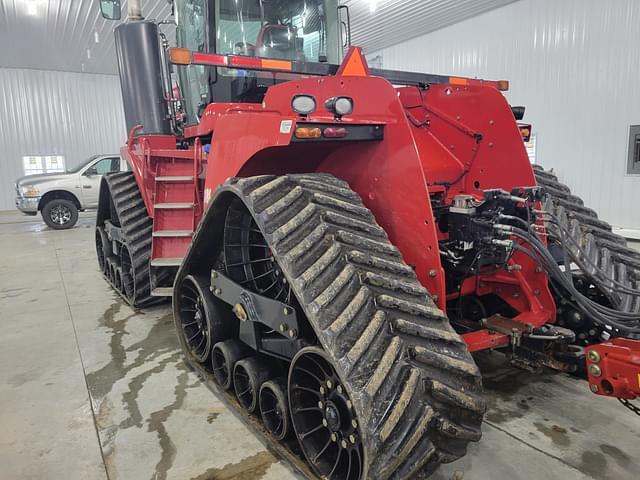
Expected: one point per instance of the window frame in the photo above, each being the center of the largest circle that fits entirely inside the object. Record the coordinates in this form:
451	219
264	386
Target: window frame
633	152
43	165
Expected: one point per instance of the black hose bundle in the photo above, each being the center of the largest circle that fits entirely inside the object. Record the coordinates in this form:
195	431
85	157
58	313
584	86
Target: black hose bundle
616	322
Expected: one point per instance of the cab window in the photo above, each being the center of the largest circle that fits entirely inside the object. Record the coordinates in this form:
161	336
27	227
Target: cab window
104	166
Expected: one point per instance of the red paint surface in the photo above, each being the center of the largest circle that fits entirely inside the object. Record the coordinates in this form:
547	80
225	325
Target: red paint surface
463	134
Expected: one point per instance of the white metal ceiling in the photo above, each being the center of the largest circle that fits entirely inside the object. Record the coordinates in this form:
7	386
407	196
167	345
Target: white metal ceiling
71	35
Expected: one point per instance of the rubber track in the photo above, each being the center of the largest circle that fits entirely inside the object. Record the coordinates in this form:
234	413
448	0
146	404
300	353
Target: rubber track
415	387
137	228
604	248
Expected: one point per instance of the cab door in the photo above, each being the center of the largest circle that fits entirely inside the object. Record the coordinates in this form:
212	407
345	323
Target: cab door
91	177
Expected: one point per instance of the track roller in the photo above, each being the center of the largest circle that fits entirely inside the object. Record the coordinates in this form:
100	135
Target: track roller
248	376
274	408
224	357
103	248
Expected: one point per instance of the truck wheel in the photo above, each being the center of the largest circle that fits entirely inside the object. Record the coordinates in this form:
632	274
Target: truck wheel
60	214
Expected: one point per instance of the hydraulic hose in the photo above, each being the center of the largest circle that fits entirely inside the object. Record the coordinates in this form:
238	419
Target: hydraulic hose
608	317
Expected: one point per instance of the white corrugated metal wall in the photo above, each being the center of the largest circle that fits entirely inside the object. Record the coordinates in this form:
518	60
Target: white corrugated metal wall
55	113
575	65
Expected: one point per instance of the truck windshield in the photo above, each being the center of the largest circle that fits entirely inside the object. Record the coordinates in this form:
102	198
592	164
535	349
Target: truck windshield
304	30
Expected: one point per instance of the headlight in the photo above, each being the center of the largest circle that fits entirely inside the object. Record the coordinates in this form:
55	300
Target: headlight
340	105
303	104
29	191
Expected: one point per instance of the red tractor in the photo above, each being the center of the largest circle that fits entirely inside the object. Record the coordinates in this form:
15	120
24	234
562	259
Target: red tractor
337	241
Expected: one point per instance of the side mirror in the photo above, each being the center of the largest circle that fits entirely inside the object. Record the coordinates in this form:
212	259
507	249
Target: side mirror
91	171
111	9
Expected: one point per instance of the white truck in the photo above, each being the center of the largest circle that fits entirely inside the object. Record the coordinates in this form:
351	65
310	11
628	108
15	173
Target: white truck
60	196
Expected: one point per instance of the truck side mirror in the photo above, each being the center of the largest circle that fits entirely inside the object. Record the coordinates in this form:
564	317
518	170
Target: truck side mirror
111	9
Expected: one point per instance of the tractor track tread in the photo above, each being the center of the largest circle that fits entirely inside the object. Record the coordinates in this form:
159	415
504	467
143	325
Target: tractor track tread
136	228
374	319
607	250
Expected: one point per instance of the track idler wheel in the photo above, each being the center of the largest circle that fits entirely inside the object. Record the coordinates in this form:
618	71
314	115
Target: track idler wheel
195	311
248	376
274	408
224	357
323	417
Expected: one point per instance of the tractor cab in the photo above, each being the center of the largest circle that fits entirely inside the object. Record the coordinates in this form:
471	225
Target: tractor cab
293	30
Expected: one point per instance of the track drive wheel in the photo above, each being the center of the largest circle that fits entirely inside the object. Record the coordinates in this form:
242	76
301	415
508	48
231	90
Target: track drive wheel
324	419
405	378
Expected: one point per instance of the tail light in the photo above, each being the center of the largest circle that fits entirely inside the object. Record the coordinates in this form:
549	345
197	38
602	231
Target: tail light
525	132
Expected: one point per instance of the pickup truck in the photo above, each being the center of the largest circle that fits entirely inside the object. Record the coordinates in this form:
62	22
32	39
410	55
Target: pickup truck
60	196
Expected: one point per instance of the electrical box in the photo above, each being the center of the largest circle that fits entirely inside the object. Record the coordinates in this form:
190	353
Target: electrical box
633	162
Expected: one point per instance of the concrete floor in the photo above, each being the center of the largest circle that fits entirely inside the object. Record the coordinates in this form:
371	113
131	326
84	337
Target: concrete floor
90	389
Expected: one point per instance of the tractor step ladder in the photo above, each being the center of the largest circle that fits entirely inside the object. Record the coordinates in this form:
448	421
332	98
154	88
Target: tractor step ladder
176	211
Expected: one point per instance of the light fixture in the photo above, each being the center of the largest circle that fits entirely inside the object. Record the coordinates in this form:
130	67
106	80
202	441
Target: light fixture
303	104
339	105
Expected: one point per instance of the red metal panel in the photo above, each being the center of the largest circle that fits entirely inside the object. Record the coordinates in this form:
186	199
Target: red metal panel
614	368
445	140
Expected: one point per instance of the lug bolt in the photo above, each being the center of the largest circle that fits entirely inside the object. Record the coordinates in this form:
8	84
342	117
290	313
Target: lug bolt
324	422
283	327
349	404
320	405
595	370
217	291
432	273
322	390
214	274
339	388
352	438
343	443
286	311
538	269
594	388
293	333
334	437
329	384
594	356
354	423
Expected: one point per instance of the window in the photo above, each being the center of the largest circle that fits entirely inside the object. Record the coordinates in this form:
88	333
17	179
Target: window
633	162
106	165
34	164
